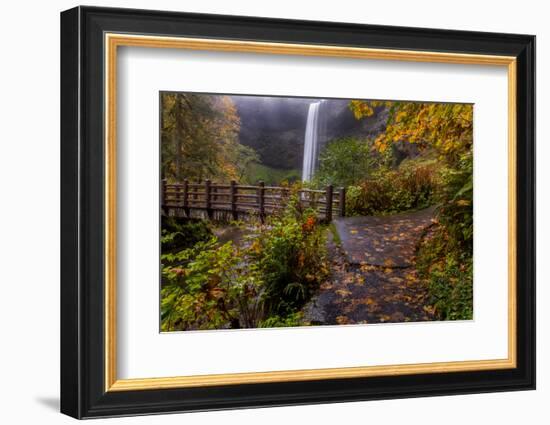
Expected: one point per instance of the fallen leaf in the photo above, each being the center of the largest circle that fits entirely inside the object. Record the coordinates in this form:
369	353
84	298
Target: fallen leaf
342	320
343	292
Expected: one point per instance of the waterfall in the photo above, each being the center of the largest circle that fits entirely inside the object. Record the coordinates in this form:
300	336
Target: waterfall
311	142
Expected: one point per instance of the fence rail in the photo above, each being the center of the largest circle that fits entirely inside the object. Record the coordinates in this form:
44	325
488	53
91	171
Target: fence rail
236	200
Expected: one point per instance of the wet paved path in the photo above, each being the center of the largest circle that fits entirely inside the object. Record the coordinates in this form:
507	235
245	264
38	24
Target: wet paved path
374	277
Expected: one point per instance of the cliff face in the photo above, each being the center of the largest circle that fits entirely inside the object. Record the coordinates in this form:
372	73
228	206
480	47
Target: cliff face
275	126
342	123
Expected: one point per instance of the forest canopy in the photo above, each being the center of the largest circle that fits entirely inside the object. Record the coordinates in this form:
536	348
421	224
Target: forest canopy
447	128
200	138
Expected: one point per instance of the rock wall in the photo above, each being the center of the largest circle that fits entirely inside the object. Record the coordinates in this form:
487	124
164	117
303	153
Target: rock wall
275	126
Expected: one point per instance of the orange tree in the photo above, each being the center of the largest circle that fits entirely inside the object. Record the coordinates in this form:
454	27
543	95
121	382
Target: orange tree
447	128
200	138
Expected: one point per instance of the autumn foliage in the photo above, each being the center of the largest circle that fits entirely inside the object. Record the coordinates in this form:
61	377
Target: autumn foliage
422	157
447	128
262	283
443	132
200	138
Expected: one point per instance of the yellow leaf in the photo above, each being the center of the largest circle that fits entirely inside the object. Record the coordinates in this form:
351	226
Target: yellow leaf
342	320
343	292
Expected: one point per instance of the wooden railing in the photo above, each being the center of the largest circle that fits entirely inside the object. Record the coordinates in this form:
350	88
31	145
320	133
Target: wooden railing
235	200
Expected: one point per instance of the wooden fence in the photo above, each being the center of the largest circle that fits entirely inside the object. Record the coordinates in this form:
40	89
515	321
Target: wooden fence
234	200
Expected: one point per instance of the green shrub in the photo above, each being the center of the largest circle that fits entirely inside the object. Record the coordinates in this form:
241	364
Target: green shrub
293	319
456	202
210	287
344	162
291	255
263	283
446	259
449	275
181	233
388	191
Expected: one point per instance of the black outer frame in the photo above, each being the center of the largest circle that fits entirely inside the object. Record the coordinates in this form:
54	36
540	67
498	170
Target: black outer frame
82	212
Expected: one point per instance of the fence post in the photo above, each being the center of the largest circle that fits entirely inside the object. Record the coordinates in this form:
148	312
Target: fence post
233	199
162	192
163	196
261	199
342	212
312	200
328	204
207	198
185	197
195	197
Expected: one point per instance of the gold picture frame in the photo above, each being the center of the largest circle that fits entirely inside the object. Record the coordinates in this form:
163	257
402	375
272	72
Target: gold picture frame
114	41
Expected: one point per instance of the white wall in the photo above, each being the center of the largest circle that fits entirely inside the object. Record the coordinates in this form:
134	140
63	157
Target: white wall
29	231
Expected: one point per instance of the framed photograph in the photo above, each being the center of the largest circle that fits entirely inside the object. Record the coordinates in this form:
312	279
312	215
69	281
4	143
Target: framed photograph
261	212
